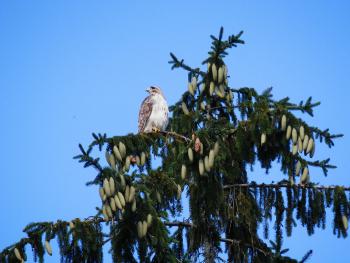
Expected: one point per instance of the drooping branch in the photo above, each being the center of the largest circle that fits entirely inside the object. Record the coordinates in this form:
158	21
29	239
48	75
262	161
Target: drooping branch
225	240
179	223
285	185
237	242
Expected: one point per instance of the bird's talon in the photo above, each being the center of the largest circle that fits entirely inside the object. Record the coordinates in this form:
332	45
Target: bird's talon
155	129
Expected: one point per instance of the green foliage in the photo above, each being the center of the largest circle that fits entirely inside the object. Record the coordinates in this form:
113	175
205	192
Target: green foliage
216	133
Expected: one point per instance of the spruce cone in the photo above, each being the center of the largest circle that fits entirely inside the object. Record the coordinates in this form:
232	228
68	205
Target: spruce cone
220	75
17	254
294	136
48	248
133	206
289	132
302	132
214	72
117	153
139	229
111	185
149	220
121	199
283	122
211	159
190	154
117	202
122	149
263	139
131	193
201	167
183	172
106	187
184	108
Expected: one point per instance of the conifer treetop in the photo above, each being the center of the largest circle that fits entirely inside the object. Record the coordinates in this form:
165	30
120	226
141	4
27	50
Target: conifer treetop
215	135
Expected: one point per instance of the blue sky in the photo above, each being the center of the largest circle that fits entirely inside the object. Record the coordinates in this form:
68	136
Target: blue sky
72	68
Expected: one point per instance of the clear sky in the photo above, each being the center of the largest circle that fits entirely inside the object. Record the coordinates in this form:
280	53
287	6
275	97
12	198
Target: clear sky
70	68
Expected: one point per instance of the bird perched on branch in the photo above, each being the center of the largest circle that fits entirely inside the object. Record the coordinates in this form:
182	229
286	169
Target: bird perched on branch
153	115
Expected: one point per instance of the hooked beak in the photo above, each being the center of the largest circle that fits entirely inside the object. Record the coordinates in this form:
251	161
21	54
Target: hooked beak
148	90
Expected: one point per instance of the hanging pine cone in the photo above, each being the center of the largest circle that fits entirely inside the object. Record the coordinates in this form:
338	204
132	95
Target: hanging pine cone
211	88
112	204
184	108
159	198
220	75
305	142
149	220
106	187
283	122
300	144
183	172
133	206
109	211
104	213
190	88
206	163
144	228
117	153
122	180
345	222
139	229
263	139
117	202
122	149
190	154
121	199
211	159
17	254
131	194
214	72
310	145
102	194
111	185
194	82
289	132
48	248
216	148
294	136
302	132
127	163
297	168
201	167
143	158
304	176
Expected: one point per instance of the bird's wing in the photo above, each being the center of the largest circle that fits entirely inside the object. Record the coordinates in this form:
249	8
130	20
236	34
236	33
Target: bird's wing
145	112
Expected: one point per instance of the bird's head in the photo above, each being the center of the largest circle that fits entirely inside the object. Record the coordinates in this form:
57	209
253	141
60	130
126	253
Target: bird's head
153	90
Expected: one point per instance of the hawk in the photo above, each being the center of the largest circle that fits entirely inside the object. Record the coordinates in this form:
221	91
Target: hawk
153	115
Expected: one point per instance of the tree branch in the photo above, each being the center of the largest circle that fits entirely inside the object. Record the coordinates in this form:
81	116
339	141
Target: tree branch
179	223
237	242
285	185
174	134
225	240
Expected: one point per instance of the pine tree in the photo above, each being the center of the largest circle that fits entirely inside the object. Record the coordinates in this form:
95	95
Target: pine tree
216	133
